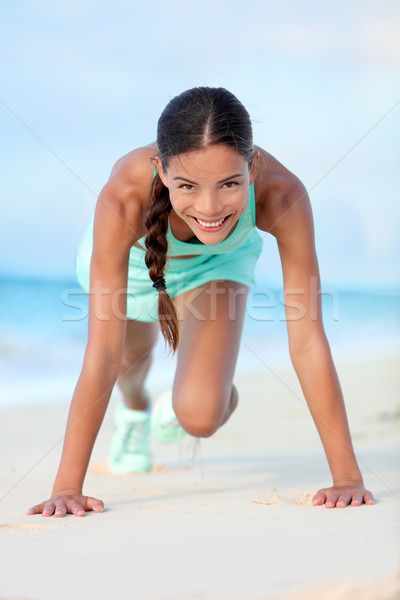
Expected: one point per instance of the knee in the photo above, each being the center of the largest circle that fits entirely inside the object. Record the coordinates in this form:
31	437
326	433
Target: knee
197	419
198	426
136	360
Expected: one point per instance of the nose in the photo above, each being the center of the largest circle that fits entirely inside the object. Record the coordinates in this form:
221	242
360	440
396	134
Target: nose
208	207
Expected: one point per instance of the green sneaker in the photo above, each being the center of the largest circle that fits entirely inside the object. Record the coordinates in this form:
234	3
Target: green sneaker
164	423
130	444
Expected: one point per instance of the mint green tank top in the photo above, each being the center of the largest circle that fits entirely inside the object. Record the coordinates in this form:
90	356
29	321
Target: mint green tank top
245	227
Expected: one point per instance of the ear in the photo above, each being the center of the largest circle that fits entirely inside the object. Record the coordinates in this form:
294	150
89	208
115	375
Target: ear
254	167
161	171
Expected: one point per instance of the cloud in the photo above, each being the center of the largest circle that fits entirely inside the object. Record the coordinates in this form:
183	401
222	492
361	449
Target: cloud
91	79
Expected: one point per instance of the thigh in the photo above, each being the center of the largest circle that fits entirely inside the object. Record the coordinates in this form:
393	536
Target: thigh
210	326
139	340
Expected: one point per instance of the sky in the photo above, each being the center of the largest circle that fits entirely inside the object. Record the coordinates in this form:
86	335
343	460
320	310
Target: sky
85	82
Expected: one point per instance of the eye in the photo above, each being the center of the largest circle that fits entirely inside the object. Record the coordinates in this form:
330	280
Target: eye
231	184
186	186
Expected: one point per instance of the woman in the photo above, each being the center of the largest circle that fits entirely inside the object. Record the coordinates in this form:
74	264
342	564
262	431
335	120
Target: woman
190	225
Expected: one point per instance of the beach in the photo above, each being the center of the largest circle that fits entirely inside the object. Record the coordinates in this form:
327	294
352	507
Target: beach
227	517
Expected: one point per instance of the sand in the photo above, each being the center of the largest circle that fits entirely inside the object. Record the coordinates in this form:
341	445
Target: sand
229	517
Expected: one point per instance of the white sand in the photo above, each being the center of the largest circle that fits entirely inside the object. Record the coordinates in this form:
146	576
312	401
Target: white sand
235	523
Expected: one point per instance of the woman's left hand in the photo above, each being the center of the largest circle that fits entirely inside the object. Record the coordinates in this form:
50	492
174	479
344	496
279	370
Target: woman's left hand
342	495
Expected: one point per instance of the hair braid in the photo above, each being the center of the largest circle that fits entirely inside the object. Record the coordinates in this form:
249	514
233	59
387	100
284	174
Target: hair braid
156	222
191	121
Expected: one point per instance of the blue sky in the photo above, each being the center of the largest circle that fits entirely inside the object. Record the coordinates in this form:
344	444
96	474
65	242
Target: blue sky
84	83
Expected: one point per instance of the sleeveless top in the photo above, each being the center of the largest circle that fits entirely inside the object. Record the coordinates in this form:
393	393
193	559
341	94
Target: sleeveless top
244	228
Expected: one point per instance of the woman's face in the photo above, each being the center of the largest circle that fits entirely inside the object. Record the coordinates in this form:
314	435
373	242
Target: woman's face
209	189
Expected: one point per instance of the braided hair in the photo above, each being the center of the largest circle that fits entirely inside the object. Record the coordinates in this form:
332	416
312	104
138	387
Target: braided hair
191	121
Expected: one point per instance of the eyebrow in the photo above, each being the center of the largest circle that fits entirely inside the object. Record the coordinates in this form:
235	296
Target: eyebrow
222	180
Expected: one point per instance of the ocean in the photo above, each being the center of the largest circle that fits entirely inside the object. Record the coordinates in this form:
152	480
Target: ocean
43	333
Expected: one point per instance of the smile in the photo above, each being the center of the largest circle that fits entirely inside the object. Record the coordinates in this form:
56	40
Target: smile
211	224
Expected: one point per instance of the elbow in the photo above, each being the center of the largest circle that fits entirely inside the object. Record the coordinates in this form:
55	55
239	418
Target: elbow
316	344
102	365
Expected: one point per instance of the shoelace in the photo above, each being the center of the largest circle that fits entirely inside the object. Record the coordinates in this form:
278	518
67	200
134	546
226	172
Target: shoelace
134	437
191	450
170	420
173	422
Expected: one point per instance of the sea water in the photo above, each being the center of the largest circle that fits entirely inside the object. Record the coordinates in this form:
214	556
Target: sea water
43	334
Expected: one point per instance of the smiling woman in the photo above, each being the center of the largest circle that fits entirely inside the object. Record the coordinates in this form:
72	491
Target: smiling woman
204	139
183	212
208	204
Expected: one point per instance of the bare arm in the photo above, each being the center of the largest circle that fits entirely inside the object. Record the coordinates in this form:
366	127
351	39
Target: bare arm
117	226
107	307
290	220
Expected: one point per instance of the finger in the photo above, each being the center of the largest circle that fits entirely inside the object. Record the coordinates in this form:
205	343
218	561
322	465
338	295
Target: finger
332	499
61	510
319	498
48	509
77	509
357	498
34	510
94	504
344	499
368	498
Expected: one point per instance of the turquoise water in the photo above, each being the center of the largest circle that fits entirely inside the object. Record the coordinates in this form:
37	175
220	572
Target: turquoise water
43	332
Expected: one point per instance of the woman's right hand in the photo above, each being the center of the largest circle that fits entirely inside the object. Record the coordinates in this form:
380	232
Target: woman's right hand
67	501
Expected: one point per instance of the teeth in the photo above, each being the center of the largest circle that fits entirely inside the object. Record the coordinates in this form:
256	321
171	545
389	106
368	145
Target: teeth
216	224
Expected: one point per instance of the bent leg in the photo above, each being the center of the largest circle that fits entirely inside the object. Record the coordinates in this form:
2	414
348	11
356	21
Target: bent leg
211	321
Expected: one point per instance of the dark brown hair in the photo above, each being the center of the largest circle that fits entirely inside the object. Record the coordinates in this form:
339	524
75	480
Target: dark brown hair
191	121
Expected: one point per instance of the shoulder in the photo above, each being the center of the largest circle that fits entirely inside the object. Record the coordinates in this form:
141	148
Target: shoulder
131	176
135	166
127	190
282	202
